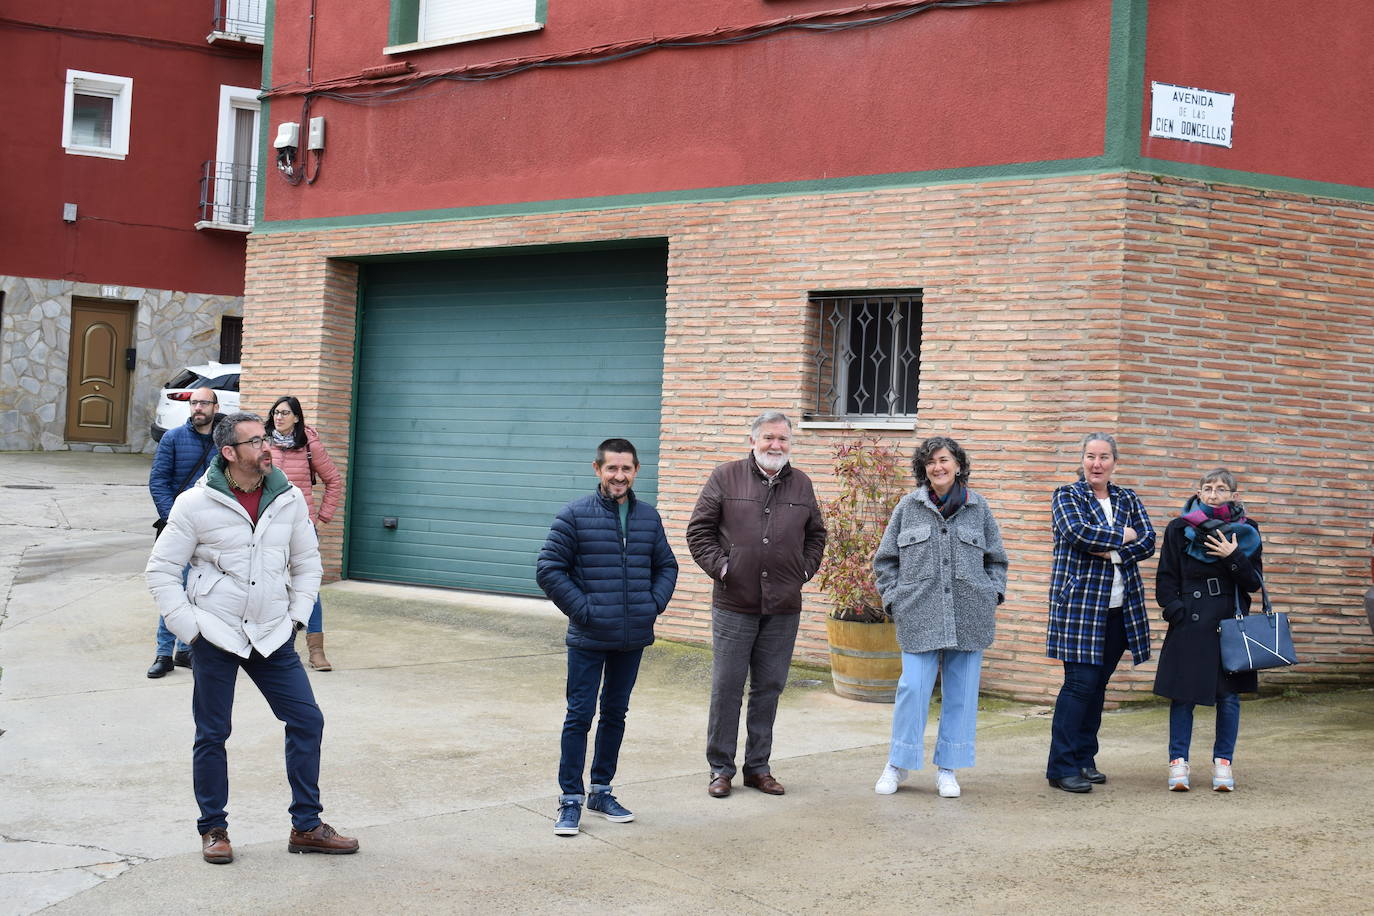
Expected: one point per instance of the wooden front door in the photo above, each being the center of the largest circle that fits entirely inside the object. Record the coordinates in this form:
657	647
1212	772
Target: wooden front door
97	377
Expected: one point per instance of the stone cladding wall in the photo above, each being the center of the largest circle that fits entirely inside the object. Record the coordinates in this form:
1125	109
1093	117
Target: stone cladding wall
171	330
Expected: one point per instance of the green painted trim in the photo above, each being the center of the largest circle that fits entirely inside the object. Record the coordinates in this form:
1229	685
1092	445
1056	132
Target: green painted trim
404	27
541	11
352	423
974	174
1126	82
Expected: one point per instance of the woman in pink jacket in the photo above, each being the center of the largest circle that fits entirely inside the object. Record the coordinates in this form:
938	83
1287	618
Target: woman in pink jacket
297	450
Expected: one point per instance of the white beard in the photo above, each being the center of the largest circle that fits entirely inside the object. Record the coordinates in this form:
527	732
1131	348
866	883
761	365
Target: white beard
770	463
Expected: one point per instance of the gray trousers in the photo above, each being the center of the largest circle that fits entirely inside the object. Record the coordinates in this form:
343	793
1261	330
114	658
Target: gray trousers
759	646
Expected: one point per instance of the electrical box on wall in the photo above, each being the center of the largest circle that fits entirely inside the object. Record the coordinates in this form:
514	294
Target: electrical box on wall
315	139
288	135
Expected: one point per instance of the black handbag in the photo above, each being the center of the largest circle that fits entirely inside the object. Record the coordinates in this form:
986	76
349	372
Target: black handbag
1257	641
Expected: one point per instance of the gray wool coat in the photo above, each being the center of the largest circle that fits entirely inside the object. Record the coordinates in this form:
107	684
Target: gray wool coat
942	579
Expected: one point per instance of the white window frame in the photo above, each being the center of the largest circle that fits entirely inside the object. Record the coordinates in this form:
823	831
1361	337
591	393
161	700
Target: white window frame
232	98
119	88
523	17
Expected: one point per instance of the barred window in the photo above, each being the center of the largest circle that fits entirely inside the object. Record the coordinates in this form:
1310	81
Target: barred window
867	361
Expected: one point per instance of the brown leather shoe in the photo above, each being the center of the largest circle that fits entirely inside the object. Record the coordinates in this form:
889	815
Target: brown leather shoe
215	848
323	838
719	787
765	783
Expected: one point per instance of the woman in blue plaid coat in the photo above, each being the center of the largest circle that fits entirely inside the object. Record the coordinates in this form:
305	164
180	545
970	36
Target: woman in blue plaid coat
1097	605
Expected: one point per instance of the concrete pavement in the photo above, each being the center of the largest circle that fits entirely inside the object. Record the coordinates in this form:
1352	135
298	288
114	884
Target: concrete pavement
441	742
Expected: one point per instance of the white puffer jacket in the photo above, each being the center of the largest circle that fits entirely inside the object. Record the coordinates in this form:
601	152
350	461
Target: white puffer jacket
249	584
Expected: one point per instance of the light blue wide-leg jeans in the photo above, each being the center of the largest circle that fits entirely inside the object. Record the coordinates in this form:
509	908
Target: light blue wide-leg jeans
959	676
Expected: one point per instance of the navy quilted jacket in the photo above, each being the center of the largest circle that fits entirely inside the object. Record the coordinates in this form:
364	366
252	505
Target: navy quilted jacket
611	588
182	457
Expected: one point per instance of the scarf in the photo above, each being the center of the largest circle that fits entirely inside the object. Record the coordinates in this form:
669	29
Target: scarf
952	502
281	441
1228	518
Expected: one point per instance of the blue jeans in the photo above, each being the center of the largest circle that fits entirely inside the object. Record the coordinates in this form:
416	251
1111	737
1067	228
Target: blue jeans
165	639
613	675
959	674
283	683
1078	709
316	624
1228	727
759	646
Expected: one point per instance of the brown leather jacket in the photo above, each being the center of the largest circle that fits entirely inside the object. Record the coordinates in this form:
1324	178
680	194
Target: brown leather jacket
768	529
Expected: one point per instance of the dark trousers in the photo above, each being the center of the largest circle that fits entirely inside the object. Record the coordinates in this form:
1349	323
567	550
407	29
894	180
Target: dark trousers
612	674
284	684
1078	709
759	646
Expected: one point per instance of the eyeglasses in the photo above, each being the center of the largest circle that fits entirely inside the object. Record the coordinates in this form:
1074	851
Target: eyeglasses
255	442
1215	491
201	403
283	413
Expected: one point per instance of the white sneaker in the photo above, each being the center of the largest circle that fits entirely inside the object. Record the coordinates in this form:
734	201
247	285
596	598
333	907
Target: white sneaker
1178	775
1222	778
891	778
946	784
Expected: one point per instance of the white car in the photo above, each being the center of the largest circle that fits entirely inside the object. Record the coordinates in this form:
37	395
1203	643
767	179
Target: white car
172	407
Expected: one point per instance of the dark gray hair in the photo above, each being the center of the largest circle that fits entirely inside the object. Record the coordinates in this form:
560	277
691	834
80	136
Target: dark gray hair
1083	448
768	416
1097	437
1219	474
928	448
227	432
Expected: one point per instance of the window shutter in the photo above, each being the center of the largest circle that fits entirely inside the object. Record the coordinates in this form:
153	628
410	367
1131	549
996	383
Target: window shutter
441	19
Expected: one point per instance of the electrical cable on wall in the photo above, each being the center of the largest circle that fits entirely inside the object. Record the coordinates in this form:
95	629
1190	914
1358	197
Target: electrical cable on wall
402	85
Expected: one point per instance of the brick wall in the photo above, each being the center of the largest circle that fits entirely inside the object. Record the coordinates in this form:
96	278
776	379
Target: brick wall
1052	306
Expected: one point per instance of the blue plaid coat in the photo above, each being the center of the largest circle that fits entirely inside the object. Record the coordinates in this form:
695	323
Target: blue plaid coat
1081	583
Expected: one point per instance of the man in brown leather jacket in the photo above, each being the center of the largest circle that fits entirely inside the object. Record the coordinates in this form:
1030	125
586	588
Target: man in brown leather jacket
757	531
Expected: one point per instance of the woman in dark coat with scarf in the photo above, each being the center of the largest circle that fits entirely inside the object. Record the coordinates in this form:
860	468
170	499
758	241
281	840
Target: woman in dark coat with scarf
1208	567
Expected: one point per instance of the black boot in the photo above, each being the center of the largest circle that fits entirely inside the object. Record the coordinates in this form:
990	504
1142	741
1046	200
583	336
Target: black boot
162	666
182	659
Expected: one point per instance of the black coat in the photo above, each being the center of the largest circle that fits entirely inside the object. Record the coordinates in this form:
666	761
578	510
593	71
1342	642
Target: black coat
1195	597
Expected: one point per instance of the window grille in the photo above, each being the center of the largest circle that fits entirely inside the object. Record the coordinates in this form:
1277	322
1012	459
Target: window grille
230	339
227	195
241	17
867	360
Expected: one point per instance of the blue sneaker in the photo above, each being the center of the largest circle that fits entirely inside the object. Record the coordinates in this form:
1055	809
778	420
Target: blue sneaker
603	803
569	815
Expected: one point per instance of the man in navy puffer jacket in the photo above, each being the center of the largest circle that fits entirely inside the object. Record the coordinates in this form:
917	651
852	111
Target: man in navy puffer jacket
183	455
607	566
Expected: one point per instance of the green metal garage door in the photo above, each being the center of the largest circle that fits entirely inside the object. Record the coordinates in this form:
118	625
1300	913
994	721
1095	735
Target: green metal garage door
484	387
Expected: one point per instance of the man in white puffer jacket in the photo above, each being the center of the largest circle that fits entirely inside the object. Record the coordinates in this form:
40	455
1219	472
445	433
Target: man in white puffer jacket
255	570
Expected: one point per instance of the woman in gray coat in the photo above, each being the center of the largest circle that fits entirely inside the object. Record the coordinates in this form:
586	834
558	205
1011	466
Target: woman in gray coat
941	571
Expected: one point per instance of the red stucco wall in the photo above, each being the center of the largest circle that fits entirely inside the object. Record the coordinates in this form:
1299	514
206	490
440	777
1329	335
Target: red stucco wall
136	216
943	89
1301	74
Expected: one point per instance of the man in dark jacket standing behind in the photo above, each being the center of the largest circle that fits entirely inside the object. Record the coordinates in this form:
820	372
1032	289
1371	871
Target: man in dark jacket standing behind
757	531
183	455
606	564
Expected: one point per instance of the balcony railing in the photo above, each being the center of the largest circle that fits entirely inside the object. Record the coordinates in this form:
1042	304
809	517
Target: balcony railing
241	19
228	194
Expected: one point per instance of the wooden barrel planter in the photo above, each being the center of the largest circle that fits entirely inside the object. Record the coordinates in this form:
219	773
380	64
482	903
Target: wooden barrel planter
865	662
